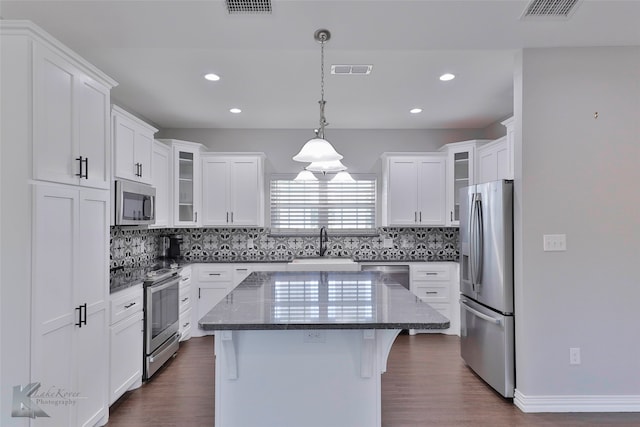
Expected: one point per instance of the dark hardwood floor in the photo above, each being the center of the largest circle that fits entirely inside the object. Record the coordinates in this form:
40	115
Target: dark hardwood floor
426	384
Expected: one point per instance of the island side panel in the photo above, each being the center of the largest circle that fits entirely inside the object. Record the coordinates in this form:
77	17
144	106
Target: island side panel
286	377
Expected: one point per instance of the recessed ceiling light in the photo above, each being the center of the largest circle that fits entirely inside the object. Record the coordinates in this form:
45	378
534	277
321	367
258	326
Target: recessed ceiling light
447	76
235	110
415	110
212	77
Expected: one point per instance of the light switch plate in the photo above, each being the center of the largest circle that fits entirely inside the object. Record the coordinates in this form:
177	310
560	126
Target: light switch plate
387	243
554	242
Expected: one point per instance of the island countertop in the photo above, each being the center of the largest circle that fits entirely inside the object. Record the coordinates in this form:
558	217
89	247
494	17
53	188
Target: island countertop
321	300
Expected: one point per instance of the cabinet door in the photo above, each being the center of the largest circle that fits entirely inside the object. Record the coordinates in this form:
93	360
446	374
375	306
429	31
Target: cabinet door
92	288
207	297
54	138
161	180
142	155
186	185
93	133
402	202
126	355
215	191
460	174
245	193
432	191
124	136
55	244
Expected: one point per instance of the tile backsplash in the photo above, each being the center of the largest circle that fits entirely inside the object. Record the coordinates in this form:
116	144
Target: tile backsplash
132	247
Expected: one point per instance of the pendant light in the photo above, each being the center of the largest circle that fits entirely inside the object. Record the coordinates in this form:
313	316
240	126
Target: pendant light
343	176
305	175
330	166
319	149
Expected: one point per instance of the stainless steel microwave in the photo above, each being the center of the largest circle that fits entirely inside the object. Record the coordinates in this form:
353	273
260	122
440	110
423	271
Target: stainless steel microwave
135	203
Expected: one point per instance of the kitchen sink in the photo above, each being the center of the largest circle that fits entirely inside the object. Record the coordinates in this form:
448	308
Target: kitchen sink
322	260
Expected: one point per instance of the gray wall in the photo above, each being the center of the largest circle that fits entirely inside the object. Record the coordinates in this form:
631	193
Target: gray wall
361	148
579	176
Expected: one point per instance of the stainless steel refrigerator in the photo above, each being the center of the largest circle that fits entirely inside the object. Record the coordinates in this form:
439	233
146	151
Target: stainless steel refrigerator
486	283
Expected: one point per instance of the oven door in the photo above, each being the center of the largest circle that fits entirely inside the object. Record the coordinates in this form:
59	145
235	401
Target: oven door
162	311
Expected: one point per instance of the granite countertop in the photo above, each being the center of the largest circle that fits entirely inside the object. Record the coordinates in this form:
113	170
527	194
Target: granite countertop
321	300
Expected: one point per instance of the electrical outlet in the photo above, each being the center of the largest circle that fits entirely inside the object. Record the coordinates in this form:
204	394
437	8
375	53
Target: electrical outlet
314	335
387	242
574	356
554	242
249	243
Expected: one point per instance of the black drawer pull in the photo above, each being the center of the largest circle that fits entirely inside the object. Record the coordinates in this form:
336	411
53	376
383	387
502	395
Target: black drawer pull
431	292
130	305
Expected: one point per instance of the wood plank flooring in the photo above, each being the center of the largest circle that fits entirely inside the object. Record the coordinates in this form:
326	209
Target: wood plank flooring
426	384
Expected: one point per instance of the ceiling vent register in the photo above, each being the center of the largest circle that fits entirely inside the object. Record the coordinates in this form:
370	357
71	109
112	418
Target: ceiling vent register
353	70
550	9
248	6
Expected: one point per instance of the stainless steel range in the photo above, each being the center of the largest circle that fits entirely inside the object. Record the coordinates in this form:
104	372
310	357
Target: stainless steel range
161	311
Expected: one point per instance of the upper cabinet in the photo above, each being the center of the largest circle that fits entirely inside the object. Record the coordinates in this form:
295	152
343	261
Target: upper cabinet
186	182
233	189
495	160
461	157
161	166
413	189
132	145
71	136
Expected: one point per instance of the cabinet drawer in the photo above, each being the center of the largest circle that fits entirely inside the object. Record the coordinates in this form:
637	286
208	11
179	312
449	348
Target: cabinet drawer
185	298
214	274
185	325
125	303
431	273
185	273
432	292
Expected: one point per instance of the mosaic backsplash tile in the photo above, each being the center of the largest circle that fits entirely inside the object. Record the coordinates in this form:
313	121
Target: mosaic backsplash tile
132	247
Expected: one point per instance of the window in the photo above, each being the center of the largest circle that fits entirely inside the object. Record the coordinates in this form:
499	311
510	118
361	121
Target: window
304	205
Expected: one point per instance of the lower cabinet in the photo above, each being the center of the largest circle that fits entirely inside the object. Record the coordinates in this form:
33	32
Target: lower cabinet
212	282
184	328
125	359
437	284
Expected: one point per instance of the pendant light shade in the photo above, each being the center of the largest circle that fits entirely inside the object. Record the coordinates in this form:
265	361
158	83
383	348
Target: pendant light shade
305	176
317	150
343	176
330	166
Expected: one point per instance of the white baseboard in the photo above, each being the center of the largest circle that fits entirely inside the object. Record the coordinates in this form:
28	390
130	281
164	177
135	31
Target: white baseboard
577	403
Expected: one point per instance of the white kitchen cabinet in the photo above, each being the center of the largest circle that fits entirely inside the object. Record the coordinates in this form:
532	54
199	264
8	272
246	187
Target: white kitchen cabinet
461	172
414	190
70	290
132	146
161	180
185	326
71	135
233	190
211	283
437	284
186	182
127	335
495	159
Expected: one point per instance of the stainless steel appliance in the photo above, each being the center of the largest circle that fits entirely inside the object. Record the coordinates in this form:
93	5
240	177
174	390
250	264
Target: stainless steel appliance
486	283
135	203
161	313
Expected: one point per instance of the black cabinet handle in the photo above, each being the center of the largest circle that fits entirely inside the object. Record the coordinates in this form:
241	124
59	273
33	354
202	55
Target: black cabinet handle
186	324
185	299
80	161
431	292
130	305
199	289
140	170
82	320
420	216
86	168
451	212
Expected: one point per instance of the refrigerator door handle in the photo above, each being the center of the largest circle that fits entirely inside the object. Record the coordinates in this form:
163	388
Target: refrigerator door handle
479	241
480	315
472	254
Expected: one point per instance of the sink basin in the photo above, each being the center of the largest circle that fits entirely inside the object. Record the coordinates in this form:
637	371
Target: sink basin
323	264
322	260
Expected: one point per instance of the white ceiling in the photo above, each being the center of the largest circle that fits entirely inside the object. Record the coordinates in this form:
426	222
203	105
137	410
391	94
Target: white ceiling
158	51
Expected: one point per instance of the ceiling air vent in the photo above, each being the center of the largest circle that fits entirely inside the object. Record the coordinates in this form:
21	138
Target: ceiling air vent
248	6
550	9
351	70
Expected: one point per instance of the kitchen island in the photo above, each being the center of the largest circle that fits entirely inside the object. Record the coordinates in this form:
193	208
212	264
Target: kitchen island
308	349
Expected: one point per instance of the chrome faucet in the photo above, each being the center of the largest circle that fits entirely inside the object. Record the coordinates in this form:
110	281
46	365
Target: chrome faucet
324	237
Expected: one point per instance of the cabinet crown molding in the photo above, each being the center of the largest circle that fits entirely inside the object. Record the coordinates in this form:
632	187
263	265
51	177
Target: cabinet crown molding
121	111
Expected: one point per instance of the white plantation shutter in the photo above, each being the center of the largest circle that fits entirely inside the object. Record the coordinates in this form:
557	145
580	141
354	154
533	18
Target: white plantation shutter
312	204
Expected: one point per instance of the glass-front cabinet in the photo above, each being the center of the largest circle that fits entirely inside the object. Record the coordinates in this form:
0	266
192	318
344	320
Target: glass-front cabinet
186	182
460	174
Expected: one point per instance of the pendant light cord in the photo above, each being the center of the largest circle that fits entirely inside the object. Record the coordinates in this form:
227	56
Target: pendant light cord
323	120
